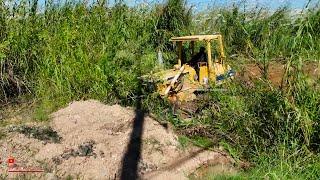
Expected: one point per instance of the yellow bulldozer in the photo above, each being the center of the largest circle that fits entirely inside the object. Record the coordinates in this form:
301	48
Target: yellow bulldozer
188	76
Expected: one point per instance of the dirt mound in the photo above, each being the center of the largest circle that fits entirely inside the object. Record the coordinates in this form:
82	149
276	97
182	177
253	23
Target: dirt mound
276	72
94	140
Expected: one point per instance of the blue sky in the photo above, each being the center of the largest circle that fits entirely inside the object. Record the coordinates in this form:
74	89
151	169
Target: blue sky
296	4
203	4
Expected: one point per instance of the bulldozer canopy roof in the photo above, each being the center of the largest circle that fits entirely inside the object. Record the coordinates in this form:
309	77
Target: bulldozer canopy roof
195	38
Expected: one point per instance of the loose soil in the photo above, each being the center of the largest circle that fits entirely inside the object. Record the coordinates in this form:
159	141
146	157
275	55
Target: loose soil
275	72
88	140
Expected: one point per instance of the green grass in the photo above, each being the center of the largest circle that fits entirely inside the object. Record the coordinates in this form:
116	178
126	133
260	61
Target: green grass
276	131
275	167
75	51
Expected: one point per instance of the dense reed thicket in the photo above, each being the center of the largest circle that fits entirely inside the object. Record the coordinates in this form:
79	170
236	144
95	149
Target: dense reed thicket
69	51
260	33
74	49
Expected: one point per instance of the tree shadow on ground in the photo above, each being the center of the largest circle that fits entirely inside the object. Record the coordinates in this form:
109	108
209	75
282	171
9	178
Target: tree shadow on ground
132	156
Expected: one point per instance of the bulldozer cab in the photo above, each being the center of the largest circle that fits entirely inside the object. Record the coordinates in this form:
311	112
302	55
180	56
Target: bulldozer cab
207	69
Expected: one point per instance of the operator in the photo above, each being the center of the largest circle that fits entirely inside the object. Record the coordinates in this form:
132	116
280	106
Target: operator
199	57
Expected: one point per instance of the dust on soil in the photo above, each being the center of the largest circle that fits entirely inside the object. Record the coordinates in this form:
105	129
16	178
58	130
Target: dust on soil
93	140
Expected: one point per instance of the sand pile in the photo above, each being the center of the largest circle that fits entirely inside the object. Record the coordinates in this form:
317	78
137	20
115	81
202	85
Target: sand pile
94	140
